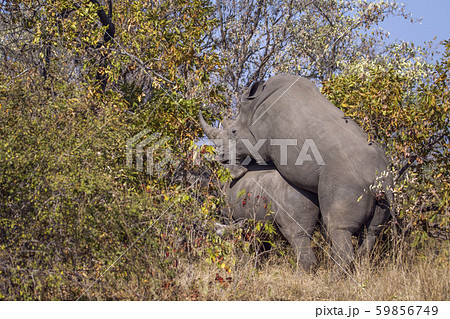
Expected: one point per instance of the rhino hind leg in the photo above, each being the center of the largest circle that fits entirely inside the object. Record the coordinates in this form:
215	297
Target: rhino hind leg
374	227
345	210
342	247
305	254
301	243
298	231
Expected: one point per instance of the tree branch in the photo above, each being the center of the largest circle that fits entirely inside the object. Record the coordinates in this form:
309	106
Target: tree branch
427	147
106	20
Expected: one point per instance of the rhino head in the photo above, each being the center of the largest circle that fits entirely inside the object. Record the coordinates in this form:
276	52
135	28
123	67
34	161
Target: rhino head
236	140
230	149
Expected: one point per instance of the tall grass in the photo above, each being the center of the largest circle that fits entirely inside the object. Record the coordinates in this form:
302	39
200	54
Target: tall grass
416	276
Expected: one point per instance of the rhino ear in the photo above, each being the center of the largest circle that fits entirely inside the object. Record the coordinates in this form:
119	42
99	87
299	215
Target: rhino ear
227	122
236	171
253	91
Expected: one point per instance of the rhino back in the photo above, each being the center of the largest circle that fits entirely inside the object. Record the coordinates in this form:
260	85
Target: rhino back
293	108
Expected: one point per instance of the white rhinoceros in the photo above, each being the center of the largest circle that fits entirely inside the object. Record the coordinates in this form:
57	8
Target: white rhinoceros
263	194
287	120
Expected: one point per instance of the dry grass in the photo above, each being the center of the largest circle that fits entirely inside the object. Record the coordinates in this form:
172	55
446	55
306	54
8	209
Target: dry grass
411	276
407	274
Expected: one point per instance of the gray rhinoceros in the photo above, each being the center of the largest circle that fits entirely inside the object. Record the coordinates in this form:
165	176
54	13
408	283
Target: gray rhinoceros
284	120
263	194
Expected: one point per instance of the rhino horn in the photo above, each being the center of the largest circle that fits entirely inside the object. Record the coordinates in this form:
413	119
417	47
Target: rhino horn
210	131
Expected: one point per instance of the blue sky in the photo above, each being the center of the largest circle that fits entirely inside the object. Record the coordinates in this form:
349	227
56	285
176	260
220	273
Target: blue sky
435	16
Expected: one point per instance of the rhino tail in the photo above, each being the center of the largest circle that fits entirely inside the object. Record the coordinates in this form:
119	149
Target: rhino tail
390	200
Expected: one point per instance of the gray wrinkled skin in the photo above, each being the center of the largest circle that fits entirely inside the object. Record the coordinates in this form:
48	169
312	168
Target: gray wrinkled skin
295	211
351	188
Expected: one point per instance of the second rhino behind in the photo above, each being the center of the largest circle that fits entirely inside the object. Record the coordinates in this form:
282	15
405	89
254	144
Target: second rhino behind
263	194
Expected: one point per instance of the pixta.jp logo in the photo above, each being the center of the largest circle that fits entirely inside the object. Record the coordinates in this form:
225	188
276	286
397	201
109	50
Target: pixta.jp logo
155	148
